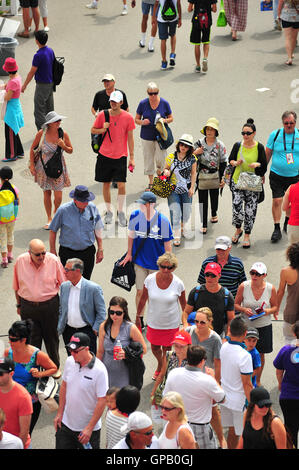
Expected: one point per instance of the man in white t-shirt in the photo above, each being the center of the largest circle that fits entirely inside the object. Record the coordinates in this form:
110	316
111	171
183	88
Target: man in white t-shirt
198	390
7	440
139	429
82	397
236	372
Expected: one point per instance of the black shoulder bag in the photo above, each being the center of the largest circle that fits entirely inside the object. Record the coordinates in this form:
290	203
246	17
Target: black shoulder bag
53	168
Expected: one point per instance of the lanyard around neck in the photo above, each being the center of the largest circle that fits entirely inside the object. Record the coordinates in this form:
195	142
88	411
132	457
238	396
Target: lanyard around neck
284	141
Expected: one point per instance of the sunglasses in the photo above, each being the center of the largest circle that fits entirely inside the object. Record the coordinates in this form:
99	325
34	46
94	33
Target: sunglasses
184	145
115	312
254	273
42	253
247	132
76	351
13	339
263	406
201	322
165	408
152	93
166	267
147	433
68	270
210	275
289	123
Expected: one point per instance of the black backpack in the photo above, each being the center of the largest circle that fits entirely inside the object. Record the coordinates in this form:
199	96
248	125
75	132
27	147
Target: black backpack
53	168
58	71
97	139
168	11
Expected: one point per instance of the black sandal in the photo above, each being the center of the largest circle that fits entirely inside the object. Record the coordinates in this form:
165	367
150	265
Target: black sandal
236	238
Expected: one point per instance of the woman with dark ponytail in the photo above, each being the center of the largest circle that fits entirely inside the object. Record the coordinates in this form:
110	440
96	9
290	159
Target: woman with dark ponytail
30	362
246	156
9	205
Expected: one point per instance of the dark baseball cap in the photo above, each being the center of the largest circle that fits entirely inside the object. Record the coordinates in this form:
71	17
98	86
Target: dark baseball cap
260	396
7	365
78	340
147	197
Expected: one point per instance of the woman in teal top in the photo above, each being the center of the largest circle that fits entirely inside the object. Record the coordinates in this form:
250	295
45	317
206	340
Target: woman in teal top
246	156
30	363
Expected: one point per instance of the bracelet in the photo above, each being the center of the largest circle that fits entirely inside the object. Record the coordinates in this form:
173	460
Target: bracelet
101	250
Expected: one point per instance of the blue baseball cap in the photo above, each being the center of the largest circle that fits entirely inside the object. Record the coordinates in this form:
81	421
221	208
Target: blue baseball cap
147	197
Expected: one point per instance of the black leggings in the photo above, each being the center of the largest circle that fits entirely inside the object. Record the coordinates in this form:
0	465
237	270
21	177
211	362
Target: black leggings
290	410
203	198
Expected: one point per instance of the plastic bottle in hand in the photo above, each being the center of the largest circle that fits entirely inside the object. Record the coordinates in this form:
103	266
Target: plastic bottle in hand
117	348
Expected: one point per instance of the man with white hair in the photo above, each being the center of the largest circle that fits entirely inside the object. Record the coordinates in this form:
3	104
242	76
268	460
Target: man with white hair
139	429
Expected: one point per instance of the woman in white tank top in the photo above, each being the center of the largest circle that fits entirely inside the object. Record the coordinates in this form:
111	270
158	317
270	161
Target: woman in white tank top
177	434
252	296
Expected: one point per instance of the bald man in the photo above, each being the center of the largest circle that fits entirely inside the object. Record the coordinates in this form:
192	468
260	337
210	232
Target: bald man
36	281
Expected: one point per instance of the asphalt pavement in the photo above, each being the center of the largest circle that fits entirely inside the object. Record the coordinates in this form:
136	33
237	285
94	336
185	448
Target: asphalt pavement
246	78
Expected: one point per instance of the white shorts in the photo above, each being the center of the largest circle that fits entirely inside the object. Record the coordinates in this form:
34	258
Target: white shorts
232	419
153	156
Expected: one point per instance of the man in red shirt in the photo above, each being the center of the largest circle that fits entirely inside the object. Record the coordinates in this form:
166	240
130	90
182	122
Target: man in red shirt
36	282
113	153
16	403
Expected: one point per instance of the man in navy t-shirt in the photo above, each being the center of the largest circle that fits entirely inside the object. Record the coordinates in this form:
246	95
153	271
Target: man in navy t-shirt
157	242
42	71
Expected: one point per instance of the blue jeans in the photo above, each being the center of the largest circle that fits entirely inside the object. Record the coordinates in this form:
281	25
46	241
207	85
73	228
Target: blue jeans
275	7
180	206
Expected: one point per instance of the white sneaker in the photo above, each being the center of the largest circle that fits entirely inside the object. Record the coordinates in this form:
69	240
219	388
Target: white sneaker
124	12
46	29
93	5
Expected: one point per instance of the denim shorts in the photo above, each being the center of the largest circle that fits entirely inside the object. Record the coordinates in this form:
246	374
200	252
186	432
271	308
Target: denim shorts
167	29
146	8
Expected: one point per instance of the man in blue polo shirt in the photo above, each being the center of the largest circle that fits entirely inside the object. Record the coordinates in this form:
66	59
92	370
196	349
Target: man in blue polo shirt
80	226
158	240
283	147
42	71
232	272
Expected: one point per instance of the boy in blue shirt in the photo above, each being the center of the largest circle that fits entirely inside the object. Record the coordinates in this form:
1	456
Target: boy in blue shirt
250	341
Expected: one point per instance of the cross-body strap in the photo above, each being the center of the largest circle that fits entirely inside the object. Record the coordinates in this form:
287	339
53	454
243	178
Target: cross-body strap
156	216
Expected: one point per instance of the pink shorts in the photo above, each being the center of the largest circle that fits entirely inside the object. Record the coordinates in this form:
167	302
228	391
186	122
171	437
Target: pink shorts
160	337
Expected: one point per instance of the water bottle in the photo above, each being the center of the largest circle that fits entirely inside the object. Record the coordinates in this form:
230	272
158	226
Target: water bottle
87	446
117	348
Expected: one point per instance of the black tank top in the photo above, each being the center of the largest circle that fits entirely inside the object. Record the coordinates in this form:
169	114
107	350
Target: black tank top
256	439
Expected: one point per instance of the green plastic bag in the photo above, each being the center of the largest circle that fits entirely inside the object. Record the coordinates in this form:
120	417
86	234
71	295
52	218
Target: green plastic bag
221	20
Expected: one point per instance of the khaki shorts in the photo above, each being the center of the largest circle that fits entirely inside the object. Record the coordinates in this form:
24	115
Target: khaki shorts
293	234
141	275
153	156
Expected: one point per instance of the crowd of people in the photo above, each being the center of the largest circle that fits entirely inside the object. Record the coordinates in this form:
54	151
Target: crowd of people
209	341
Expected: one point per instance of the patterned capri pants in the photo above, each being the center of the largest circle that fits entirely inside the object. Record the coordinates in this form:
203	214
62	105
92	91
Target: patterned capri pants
244	208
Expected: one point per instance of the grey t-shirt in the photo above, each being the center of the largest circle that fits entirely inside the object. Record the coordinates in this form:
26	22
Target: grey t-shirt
289	12
212	345
150	2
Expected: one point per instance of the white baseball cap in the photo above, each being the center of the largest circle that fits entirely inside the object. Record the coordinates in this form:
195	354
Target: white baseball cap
136	420
116	96
223	243
259	267
109	77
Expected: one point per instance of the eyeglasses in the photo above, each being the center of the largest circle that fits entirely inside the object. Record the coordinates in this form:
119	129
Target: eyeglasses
287	123
201	322
165	408
247	133
14	339
152	93
42	253
166	267
147	433
76	351
115	312
210	275
254	273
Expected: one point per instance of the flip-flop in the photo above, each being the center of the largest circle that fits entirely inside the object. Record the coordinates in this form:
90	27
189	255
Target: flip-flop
177	242
203	230
23	35
214	219
246	244
46	227
236	238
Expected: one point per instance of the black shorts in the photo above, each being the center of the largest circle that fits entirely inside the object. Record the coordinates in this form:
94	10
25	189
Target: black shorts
279	184
111	169
265	341
29	3
289	24
199	35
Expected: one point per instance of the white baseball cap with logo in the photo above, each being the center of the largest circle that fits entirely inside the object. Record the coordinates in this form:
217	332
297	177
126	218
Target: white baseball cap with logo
116	96
259	267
